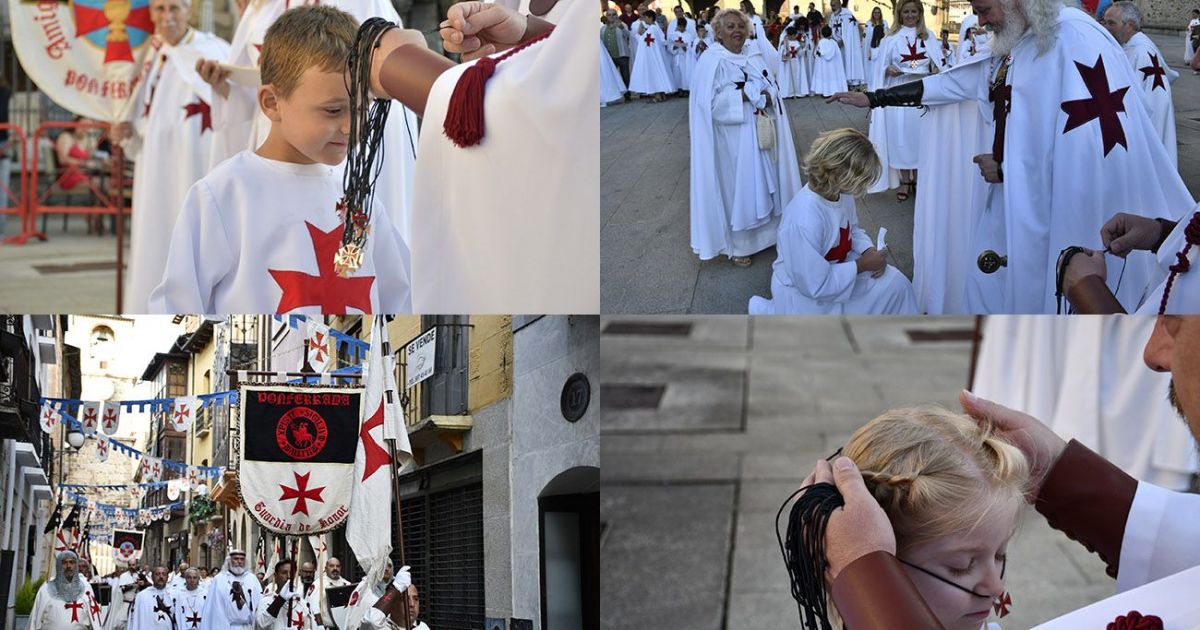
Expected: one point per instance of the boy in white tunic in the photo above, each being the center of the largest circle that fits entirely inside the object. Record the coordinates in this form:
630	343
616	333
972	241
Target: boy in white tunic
829	75
793	75
826	263
651	73
260	233
678	43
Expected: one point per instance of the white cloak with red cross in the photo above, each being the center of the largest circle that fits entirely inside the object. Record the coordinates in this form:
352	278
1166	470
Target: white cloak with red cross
259	236
52	613
240	125
172	124
815	271
1156	78
1079	147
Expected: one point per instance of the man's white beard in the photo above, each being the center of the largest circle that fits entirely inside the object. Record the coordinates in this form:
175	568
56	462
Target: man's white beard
1004	39
237	570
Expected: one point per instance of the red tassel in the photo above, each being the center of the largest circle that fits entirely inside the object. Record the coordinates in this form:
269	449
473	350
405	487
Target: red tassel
464	114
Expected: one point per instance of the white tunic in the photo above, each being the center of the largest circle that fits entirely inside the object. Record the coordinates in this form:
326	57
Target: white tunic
678	44
872	55
240	125
152	610
1156	78
524	235
52	613
612	86
696	51
738	190
896	131
949	201
172	123
222	611
259	236
829	74
121	602
293	613
189	606
815	271
652	71
793	72
845	30
1063	173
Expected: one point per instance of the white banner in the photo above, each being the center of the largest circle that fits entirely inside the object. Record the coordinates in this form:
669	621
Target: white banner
89	417
86	55
110	417
101	450
49	418
183	413
318	345
420	358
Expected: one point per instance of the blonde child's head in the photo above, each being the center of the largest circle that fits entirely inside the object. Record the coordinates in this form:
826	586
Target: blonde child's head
841	161
303	93
953	492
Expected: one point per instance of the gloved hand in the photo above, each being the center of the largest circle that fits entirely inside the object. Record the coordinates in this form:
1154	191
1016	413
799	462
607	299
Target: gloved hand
286	591
403	579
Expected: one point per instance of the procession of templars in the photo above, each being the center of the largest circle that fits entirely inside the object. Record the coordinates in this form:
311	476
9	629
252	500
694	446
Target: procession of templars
232	596
1038	147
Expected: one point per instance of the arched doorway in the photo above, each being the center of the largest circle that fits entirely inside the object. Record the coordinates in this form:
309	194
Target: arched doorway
569	540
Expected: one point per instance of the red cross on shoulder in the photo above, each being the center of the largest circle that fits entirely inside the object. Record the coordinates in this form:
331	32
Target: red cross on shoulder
1103	104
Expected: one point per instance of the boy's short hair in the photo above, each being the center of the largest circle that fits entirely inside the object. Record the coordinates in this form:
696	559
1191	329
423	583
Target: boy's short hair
303	37
842	160
791	30
826	32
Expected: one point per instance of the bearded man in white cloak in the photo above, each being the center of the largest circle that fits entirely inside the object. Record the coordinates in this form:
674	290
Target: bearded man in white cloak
739	185
1072	144
233	595
66	601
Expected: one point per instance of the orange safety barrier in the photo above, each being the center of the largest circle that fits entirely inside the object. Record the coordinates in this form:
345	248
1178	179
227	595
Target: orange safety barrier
112	202
18	201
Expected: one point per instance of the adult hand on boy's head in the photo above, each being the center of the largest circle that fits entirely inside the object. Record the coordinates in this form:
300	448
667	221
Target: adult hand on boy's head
1041	446
210	72
476	29
860	527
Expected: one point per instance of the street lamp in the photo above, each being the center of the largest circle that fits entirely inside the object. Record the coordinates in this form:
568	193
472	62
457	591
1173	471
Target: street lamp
75	439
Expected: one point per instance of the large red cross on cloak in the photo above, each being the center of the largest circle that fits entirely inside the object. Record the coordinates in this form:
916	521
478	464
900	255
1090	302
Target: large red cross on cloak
842	249
1155	70
333	293
649	39
913	54
375	455
202	108
1103	105
301	493
75	607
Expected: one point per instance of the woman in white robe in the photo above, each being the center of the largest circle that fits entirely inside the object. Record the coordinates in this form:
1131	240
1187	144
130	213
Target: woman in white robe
679	41
829	73
826	263
876	30
652	74
793	75
909	53
739	187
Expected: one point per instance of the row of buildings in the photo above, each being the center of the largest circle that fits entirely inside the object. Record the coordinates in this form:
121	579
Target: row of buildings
500	508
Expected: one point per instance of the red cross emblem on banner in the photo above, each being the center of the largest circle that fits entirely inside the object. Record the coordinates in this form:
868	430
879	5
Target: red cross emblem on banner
110	417
319	346
301	493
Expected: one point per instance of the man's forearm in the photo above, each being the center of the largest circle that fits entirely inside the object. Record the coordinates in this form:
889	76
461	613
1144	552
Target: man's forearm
1088	498
903	95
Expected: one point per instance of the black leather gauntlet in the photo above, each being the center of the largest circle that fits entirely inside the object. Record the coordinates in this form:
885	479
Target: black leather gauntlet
903	95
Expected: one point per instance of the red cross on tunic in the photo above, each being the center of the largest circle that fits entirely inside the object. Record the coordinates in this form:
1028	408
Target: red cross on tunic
301	493
298	622
1103	105
202	108
193	619
842	249
913	55
75	608
333	293
649	39
1154	70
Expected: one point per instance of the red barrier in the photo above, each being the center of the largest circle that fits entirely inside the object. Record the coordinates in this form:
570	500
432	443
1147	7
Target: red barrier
19	202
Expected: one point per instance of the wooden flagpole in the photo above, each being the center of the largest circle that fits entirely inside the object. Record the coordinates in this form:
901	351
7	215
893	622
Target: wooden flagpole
386	347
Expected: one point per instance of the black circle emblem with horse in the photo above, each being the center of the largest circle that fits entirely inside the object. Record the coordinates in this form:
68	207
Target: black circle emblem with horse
301	433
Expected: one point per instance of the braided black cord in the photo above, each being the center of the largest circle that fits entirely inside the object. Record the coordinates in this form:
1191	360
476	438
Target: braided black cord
364	156
804	550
